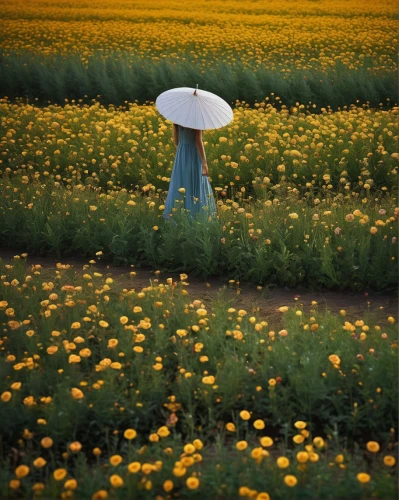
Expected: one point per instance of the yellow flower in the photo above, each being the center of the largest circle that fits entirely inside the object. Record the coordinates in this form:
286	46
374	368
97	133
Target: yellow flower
75	446
210	380
302	457
163	431
262	496
230	427
198	444
96	452
123	320
189	448
179	471
389	460
6	396
283	462
244	491
313	457
14	484
168	485
21	471
202	312
335	360
39	462
266	441
298	438
245	415
46	442
362	477
192	483
300	424
103	323
115	460
71	484
100	495
259	424
290	480
130	434
242	445
116	481
373	446
187	461
339	458
134	467
318	442
59	474
76	393
257	453
29	401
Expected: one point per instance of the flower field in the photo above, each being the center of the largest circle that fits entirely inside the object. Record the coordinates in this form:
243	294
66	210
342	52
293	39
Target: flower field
330	52
108	393
302	197
111	391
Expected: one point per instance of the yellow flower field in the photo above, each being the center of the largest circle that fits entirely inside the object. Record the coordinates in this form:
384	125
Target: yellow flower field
108	392
353	150
111	390
276	36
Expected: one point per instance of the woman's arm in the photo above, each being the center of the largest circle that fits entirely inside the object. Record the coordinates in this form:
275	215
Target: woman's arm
200	146
175	133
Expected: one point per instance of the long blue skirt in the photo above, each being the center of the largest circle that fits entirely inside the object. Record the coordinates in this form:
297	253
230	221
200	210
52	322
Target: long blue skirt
197	197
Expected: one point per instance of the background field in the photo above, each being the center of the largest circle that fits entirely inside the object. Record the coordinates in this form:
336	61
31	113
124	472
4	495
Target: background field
332	53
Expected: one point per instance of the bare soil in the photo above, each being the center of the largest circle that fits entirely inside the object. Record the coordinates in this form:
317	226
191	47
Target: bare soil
243	295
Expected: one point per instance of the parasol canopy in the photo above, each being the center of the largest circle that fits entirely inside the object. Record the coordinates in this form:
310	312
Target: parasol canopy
194	108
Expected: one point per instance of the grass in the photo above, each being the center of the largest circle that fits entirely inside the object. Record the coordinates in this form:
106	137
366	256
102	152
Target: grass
117	79
335	244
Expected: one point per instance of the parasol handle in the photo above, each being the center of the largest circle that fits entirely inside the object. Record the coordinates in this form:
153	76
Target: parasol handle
195	91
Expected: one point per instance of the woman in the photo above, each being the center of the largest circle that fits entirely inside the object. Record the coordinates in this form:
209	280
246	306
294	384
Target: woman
190	171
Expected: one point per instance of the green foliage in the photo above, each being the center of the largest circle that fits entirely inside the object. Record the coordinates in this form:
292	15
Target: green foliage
117	80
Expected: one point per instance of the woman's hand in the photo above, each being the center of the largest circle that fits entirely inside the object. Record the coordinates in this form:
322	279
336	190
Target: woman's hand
205	169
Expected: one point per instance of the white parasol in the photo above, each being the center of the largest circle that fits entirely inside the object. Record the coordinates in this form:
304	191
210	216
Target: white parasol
194	108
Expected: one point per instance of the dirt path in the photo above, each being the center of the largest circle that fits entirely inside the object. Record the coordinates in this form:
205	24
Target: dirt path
242	296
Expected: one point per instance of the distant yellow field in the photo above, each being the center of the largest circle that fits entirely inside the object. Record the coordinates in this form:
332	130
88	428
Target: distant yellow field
287	35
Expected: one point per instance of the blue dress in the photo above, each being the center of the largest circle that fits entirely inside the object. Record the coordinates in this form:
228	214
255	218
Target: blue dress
187	173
